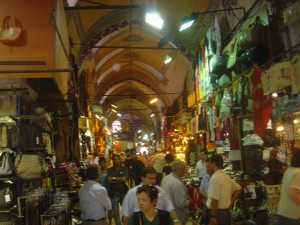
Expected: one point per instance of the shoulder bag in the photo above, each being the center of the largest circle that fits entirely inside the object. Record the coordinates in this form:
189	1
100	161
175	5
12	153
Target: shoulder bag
6	162
30	166
26	136
7	197
10	32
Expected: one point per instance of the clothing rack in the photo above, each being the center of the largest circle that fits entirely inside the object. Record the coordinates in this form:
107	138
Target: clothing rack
266	65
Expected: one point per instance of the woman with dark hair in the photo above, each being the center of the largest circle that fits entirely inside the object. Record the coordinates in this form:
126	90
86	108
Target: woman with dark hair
289	204
147	198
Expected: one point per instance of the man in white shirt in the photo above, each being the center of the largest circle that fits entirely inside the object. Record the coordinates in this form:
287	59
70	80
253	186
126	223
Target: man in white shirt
200	168
176	190
93	199
130	204
222	192
158	162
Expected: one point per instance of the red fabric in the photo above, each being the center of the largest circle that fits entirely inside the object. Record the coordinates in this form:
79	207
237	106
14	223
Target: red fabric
194	194
262	104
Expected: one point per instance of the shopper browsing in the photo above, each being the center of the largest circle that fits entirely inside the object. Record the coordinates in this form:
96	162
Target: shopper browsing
117	177
130	203
93	199
147	198
222	192
176	190
289	204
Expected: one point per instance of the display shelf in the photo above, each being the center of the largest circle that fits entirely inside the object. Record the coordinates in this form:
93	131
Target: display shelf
9	178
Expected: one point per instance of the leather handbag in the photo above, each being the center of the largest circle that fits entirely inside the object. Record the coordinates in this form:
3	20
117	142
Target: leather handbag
11	30
26	136
30	166
6	162
7	197
253	35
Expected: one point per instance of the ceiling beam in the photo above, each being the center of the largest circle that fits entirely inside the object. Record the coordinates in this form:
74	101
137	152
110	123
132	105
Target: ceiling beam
102	7
137	47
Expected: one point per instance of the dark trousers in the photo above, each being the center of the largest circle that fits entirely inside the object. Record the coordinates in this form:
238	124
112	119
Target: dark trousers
223	217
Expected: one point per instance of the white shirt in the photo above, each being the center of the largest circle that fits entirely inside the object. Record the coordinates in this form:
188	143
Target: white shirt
177	192
200	169
130	203
93	201
221	188
159	162
287	207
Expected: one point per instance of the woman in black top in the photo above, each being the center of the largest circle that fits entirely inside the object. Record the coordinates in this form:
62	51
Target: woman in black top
149	215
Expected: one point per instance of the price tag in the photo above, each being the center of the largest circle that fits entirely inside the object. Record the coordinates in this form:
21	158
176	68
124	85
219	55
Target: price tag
7	198
11	31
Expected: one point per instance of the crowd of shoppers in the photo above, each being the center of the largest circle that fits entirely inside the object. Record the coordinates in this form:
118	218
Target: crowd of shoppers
167	202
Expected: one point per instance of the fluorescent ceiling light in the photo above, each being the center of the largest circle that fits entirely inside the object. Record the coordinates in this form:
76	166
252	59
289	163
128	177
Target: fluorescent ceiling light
113	110
154	20
186	25
119	114
139	131
167	59
152	115
188	21
153	100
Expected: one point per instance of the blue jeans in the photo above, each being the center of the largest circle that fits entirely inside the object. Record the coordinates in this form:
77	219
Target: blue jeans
116	201
282	220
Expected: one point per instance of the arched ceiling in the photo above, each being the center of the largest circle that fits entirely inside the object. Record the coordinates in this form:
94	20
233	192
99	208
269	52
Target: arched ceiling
118	52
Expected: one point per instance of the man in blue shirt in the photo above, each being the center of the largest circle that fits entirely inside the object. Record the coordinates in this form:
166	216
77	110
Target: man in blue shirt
93	199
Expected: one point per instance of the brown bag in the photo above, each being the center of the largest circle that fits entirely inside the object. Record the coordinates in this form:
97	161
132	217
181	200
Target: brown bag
10	32
30	166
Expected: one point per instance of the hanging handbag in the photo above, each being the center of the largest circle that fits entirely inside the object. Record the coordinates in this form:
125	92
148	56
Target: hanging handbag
254	35
26	136
219	64
7	197
11	30
6	162
30	166
3	136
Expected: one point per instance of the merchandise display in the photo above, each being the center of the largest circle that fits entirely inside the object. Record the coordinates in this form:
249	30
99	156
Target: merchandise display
100	85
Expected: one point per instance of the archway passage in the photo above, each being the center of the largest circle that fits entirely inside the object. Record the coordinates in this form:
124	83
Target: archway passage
122	58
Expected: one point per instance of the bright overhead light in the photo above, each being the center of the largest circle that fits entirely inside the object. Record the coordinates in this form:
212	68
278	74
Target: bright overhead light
167	59
114	106
154	20
280	128
119	114
188	21
145	137
113	110
186	25
152	115
153	100
139	131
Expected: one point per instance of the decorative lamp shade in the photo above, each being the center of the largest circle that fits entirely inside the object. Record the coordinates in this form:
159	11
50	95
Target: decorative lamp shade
211	145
